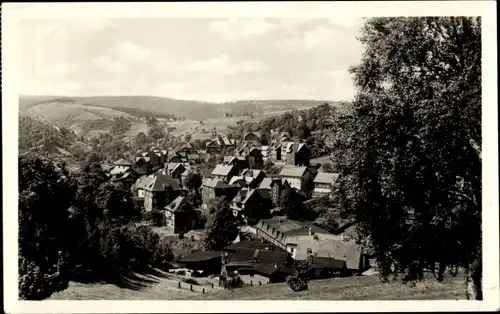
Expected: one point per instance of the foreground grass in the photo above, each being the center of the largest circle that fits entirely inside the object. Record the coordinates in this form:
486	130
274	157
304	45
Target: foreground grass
161	286
352	288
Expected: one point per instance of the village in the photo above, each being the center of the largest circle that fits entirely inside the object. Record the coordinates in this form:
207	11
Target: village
268	244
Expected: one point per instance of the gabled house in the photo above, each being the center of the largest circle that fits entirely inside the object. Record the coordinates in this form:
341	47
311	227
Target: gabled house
253	138
219	143
179	215
252	204
124	181
253	177
120	167
175	169
224	172
255	159
161	189
295	176
304	240
239	162
323	184
213	188
274	186
295	153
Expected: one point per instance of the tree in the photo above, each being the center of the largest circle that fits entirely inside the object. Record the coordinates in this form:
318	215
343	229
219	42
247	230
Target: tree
193	181
413	158
291	203
222	227
303	130
188	137
45	195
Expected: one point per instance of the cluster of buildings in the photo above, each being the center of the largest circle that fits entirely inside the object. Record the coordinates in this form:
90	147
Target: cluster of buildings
157	179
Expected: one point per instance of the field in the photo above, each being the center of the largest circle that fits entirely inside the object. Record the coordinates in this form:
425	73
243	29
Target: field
351	288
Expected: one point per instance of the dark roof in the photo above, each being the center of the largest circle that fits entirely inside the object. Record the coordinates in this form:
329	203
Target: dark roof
161	182
176	204
253	244
262	256
327	262
200	256
293	227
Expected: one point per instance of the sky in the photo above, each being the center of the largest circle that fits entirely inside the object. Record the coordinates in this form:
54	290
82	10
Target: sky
195	59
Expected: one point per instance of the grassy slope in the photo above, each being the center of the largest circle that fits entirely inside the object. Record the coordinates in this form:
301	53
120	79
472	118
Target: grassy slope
352	288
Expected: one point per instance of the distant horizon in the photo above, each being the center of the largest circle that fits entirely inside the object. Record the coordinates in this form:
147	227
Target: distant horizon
182	99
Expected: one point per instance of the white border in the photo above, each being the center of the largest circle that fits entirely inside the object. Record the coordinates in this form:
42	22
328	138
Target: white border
12	12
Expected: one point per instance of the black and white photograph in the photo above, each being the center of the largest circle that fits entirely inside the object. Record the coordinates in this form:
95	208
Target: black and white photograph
250	155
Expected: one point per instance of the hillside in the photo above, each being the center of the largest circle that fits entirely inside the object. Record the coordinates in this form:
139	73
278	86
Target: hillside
191	109
350	288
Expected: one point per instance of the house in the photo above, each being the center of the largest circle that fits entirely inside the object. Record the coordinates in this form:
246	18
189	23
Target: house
156	158
124	181
224	172
219	143
213	188
252	177
273	264
239	162
295	176
138	189
326	267
323	184
255	159
207	262
304	239
253	138
295	153
120	166
179	215
175	169
252	204
158	191
274	186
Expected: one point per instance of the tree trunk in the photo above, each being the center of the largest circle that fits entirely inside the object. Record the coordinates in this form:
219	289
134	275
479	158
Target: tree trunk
475	276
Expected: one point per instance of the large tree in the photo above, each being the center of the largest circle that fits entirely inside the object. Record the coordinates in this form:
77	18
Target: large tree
409	147
222	226
45	197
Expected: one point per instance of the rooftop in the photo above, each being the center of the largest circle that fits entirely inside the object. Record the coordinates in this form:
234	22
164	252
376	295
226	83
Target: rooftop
222	170
292	171
326	177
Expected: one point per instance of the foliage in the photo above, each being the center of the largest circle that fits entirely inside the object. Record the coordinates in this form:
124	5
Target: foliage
409	148
291	203
222	227
45	195
193	181
36	133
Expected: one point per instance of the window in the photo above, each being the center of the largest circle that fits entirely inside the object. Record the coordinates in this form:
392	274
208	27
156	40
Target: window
309	251
291	250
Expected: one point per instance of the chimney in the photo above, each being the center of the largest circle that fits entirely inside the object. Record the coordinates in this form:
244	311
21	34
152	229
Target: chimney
310	231
275	265
261	240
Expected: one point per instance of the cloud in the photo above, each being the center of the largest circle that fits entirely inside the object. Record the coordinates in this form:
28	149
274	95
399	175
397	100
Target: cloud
221	64
234	29
129	51
54	70
109	65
